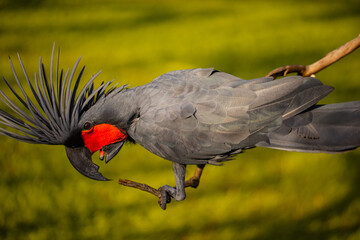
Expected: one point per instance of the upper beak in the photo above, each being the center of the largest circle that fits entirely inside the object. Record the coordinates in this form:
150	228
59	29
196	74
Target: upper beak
80	158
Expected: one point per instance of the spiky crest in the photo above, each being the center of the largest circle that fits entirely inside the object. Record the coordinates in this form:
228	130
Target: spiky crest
57	108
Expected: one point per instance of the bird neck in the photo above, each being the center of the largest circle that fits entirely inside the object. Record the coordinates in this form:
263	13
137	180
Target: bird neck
119	109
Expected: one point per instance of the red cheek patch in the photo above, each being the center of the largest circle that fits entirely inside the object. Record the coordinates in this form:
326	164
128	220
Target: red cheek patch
102	135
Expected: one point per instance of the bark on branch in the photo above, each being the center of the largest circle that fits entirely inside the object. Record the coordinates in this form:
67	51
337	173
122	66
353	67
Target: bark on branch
317	66
140	186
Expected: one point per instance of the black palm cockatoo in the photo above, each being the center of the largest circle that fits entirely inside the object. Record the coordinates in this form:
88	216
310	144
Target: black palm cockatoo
196	116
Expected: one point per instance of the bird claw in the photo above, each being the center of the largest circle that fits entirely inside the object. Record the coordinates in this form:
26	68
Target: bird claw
166	193
192	182
163	200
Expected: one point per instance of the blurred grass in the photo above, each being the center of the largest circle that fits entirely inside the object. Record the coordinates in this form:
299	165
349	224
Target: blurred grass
264	194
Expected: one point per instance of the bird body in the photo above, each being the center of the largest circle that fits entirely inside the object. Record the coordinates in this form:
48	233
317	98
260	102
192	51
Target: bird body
196	116
201	116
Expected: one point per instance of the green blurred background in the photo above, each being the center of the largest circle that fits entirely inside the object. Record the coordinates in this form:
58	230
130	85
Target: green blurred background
263	194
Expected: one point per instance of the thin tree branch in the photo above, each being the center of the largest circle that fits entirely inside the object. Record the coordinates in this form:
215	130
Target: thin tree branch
317	66
140	186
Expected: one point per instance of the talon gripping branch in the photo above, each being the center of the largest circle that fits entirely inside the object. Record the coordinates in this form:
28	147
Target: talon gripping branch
196	116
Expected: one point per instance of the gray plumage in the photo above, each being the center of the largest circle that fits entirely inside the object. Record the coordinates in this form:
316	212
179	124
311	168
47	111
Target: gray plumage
322	128
204	116
196	116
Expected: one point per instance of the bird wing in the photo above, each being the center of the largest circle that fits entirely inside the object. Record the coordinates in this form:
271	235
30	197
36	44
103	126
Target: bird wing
203	115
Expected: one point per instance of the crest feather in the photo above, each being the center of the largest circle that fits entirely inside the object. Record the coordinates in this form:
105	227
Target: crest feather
56	108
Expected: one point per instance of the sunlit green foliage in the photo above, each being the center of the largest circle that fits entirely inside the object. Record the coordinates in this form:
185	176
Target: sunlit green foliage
263	194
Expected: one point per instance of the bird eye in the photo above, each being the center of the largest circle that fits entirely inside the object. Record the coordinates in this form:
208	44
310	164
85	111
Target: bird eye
87	126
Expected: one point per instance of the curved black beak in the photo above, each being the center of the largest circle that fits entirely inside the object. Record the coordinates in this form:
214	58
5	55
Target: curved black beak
80	158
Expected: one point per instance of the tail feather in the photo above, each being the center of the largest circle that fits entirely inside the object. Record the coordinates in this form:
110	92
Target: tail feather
322	128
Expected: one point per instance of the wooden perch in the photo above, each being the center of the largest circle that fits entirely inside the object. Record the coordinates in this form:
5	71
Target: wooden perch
140	186
326	61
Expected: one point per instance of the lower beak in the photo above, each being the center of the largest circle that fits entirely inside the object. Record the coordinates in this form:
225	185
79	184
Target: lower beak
80	158
112	149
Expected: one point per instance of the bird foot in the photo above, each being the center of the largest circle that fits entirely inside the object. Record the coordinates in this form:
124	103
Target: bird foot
165	197
283	71
192	182
167	192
